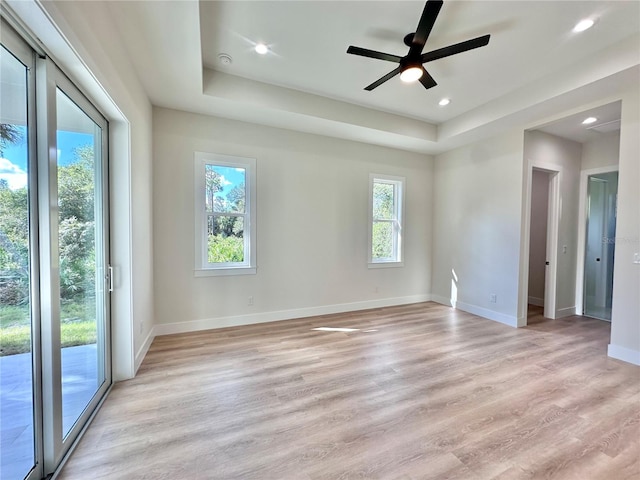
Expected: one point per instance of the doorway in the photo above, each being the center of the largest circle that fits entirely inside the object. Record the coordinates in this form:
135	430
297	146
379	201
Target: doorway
543	238
538	237
54	253
602	192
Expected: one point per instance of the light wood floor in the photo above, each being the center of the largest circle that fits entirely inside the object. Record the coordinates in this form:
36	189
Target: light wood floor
417	392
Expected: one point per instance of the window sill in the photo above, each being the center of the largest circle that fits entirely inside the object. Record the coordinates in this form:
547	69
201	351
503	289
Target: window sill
220	272
385	264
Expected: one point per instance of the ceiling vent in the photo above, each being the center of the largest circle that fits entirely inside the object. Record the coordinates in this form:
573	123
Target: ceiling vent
605	127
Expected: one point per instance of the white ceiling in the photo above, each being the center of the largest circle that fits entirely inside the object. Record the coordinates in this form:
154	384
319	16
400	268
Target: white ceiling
571	127
533	66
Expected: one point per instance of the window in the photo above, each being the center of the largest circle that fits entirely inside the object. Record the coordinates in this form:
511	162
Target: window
386	198
225	215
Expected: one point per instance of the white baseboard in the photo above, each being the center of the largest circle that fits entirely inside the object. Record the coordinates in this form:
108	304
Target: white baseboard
538	302
442	300
512	321
481	312
264	317
144	348
624	354
565	312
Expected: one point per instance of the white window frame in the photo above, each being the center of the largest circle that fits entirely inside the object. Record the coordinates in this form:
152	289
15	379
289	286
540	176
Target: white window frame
398	221
202	266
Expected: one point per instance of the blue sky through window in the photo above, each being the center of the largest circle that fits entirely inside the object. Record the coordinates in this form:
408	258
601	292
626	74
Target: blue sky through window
232	177
13	166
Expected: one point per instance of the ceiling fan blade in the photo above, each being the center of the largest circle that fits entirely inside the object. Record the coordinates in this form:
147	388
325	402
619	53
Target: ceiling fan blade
427	80
456	48
380	81
364	52
427	20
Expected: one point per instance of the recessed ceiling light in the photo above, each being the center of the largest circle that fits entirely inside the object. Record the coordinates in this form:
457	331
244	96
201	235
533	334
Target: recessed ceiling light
583	25
444	102
261	48
589	121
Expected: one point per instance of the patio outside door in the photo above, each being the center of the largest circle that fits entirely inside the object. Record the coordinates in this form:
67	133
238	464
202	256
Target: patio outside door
54	282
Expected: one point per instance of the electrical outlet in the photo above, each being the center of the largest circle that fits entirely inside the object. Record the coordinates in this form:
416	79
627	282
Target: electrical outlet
250	301
141	327
493	298
636	258
376	290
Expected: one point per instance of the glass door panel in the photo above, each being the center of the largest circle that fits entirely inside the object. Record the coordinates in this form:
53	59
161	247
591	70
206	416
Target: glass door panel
54	244
600	249
81	258
17	425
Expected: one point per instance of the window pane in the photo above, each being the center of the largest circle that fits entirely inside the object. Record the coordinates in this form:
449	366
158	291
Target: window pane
383	200
225	235
382	245
225	189
16	374
80	257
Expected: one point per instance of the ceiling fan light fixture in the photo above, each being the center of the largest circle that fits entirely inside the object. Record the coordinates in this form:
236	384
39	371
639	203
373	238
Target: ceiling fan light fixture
444	102
583	25
411	74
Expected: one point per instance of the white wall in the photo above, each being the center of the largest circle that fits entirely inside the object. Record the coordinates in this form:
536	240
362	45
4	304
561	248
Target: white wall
80	37
625	322
602	150
548	151
538	236
311	225
477	203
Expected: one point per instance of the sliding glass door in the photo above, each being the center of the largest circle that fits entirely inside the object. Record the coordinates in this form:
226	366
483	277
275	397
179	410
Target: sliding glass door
17	295
54	282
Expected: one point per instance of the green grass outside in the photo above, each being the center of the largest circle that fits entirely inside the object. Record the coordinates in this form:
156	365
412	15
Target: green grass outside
78	327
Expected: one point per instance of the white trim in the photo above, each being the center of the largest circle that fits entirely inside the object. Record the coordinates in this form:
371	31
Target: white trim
538	302
565	312
398	200
509	320
624	354
582	231
385	264
248	266
553	219
239	320
142	352
442	300
553	216
218	272
479	311
553	228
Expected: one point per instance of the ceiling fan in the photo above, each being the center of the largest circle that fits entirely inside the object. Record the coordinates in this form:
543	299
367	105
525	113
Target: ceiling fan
411	68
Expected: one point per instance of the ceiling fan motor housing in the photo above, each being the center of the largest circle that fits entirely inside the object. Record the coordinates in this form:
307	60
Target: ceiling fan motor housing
408	39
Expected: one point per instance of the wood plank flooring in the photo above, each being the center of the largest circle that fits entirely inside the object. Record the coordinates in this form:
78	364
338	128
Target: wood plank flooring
419	391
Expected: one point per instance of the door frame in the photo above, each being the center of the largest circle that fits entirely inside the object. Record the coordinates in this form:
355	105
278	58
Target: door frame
553	226
582	230
50	78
